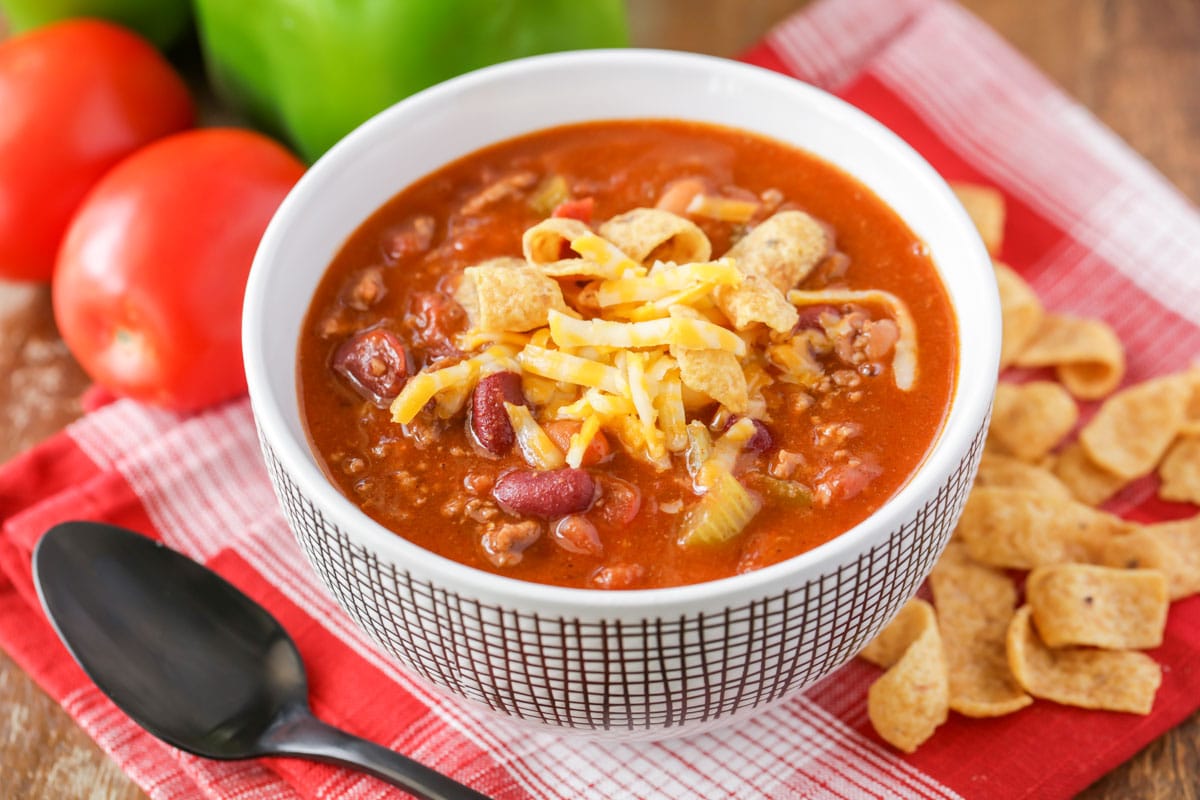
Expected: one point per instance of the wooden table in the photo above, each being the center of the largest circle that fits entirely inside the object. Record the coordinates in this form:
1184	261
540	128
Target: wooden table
1135	64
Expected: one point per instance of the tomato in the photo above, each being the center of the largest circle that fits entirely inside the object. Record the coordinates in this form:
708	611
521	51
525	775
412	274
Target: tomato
149	282
75	98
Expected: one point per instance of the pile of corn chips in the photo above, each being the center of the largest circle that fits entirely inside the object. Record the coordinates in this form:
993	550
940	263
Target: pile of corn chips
1095	587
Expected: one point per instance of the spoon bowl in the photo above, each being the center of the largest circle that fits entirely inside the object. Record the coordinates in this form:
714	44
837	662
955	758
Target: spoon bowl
192	659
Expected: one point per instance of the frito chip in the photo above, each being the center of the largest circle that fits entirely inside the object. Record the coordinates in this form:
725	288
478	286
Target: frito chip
974	606
912	698
756	300
1083	604
546	241
1021	313
715	373
1087	480
1114	680
1089	357
1139	549
890	643
1180	471
783	248
1134	427
1191	422
996	469
985	207
1181	538
651	234
1019	529
505	296
1029	419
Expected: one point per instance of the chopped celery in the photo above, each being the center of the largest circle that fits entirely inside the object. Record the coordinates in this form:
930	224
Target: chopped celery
719	515
790	494
549	194
699	447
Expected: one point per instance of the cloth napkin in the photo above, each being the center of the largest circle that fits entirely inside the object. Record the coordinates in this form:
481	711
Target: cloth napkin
1091	226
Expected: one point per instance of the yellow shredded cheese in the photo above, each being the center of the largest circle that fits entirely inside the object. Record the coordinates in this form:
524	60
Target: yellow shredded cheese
611	263
725	209
642	390
561	366
596	402
536	446
671	414
473	340
676	330
904	354
582	439
662	283
422	387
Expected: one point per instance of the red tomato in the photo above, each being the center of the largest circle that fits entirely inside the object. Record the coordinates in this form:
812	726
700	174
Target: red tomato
75	98
149	283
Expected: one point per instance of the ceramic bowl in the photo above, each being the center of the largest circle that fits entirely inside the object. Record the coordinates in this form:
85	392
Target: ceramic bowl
647	663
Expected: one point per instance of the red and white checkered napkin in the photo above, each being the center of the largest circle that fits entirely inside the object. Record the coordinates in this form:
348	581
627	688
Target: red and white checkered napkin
1091	226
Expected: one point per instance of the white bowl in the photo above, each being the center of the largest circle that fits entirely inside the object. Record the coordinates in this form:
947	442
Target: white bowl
647	663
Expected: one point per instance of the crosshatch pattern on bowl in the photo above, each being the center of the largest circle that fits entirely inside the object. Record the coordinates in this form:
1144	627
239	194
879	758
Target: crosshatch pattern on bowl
653	675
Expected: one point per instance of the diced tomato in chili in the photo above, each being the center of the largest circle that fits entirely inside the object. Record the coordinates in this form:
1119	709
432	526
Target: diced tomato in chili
581	209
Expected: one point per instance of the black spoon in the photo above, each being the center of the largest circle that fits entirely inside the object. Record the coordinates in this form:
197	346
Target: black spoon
193	660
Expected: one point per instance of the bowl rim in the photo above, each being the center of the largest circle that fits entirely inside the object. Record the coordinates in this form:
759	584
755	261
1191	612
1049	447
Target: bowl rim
969	405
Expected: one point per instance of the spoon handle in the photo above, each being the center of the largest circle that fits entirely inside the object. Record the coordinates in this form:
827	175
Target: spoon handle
301	734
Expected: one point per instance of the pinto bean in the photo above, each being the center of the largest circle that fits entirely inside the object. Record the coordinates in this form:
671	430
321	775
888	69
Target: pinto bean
412	237
576	534
364	289
619	500
489	420
375	363
433	319
551	493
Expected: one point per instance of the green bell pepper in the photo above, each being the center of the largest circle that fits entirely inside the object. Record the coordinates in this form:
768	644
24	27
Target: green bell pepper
312	70
160	21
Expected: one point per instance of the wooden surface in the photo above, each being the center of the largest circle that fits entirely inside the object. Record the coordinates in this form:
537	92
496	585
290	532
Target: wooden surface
1134	63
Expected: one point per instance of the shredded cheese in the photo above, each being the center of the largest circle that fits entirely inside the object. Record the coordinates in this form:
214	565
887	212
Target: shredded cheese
662	283
611	263
582	439
676	330
725	209
422	387
561	366
536	446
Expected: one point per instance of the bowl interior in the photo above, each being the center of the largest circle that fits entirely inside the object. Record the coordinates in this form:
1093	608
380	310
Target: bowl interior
430	129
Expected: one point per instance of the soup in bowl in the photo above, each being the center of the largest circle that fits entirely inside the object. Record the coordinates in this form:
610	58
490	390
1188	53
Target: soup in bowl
621	412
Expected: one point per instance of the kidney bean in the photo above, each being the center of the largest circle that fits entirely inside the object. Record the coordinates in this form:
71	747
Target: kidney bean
434	319
552	493
412	237
576	534
489	420
364	289
375	363
619	500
